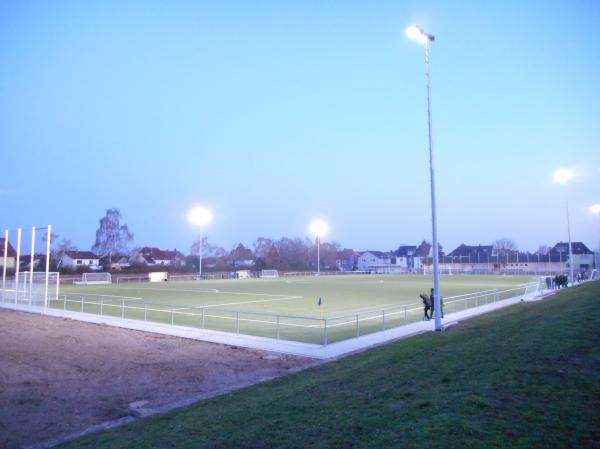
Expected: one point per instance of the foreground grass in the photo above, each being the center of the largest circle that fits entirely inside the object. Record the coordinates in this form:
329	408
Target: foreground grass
523	377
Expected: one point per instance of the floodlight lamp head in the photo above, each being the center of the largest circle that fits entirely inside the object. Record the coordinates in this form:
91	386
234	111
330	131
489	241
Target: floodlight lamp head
595	209
200	216
319	228
563	176
417	34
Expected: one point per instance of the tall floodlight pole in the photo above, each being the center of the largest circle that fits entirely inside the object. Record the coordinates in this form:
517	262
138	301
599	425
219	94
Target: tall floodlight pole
595	209
417	34
563	176
319	229
200	217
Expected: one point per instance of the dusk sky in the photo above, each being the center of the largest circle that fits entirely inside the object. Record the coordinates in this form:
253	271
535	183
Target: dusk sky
275	113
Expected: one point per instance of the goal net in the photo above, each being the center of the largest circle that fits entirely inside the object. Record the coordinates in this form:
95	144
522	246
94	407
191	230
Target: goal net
269	274
31	287
95	278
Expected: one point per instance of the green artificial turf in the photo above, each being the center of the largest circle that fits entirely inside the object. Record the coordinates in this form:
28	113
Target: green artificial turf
527	376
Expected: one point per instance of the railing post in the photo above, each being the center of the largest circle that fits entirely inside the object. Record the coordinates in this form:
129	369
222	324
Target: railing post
277	327
357	328
122	308
101	306
405	314
203	309
172	316
237	322
82	303
64	302
325	333
383	320
145	311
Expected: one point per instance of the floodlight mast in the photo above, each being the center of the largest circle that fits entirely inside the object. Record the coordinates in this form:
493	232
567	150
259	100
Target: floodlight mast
595	209
200	217
417	34
563	176
319	228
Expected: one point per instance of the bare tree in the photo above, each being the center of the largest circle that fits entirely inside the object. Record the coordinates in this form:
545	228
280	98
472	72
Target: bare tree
208	249
112	237
61	248
543	249
504	245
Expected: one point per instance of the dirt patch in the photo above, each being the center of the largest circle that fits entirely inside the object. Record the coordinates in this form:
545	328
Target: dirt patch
59	376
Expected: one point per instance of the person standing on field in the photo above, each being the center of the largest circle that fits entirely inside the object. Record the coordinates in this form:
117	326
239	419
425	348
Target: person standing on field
426	305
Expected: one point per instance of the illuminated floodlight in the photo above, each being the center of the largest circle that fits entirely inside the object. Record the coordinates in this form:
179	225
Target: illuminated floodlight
563	176
595	209
319	228
417	34
200	216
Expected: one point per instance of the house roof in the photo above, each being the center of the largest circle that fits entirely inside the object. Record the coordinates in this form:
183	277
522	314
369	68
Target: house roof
576	247
345	254
81	255
406	250
379	254
10	251
158	254
474	252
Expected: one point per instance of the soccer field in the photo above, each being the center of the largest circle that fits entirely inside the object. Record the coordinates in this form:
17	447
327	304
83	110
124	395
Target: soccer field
286	307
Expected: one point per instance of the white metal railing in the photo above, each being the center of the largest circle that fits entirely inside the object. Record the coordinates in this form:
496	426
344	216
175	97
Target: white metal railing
279	326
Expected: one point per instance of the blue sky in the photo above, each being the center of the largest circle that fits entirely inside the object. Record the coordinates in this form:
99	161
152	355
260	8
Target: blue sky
274	113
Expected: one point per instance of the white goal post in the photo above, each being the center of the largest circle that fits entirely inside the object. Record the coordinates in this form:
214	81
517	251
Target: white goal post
95	278
269	274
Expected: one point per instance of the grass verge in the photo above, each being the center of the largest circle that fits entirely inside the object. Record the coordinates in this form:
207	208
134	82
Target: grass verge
523	377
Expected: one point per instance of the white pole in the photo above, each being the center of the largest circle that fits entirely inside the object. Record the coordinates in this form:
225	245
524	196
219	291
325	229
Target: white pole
436	269
17	263
569	235
200	256
48	244
31	260
5	263
318	255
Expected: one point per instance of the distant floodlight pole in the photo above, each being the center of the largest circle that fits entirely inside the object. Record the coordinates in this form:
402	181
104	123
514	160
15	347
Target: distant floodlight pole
417	34
563	176
319	228
200	216
595	209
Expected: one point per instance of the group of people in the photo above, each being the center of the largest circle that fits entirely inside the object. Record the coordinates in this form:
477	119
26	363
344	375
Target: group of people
429	305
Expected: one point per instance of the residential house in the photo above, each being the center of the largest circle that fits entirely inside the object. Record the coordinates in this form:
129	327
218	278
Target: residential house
151	257
379	262
11	255
408	256
117	262
583	257
347	260
73	260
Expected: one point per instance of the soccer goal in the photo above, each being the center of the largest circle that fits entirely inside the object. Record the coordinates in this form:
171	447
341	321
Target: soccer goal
269	274
31	287
95	278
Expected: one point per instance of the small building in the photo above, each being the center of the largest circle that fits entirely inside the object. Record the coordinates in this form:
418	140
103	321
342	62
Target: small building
379	262
116	262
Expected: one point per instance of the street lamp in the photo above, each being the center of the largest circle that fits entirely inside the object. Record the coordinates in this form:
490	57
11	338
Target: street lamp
415	33
319	228
595	209
200	217
563	176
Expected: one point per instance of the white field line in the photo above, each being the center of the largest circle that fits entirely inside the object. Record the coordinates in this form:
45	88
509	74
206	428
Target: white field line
200	290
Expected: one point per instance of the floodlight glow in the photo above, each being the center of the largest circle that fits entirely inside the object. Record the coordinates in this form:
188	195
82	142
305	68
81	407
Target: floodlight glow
200	216
417	34
595	209
319	228
563	176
